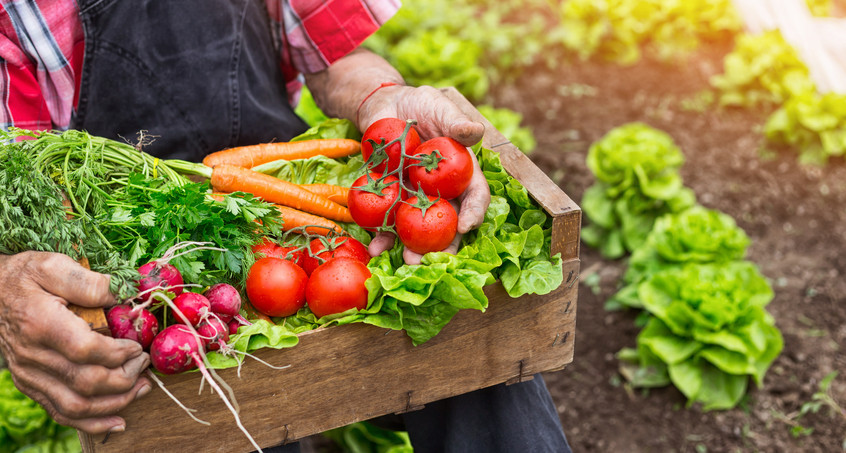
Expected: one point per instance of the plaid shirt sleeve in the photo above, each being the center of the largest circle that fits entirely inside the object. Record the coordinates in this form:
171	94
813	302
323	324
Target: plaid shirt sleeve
312	34
41	47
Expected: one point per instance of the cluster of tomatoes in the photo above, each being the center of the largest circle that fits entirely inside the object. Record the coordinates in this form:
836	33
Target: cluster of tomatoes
407	188
329	276
435	172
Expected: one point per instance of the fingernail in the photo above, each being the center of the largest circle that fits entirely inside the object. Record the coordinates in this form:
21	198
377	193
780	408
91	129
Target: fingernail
117	429
143	391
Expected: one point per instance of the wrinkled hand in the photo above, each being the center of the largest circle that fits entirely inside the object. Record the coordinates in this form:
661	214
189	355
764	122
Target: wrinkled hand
80	377
436	116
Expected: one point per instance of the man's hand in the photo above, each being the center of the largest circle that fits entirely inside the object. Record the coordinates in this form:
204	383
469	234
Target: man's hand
80	377
346	90
436	116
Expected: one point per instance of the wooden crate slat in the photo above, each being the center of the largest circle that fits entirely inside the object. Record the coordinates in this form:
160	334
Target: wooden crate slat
340	375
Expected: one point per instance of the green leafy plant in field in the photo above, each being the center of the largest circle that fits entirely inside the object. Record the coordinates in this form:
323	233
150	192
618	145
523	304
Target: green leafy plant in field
708	334
620	30
636	167
813	124
508	122
466	43
820	8
762	70
696	235
26	427
765	70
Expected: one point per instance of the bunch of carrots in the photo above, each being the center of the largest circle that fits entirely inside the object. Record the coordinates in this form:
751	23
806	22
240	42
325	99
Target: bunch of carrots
313	208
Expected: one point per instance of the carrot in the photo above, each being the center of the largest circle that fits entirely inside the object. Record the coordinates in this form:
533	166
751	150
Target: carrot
253	155
229	178
338	194
313	224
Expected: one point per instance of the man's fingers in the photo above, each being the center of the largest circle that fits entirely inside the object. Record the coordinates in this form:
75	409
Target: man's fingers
92	414
87	380
468	133
474	201
60	275
59	329
381	242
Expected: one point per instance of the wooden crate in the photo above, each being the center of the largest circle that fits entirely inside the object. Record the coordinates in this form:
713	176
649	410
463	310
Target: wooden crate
344	374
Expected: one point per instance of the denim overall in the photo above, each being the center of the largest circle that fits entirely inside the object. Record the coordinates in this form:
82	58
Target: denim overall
197	76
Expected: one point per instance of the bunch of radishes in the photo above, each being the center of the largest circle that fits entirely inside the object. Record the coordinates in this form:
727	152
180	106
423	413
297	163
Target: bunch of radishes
202	322
213	316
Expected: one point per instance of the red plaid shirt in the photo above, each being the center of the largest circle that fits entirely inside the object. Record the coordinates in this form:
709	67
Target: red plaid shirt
41	50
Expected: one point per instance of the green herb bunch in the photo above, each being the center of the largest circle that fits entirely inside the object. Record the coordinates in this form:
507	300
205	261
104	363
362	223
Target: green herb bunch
636	167
33	217
151	216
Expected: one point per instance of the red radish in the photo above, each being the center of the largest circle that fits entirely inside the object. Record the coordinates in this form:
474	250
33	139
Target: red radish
234	324
224	299
157	274
175	350
133	324
178	348
195	307
237	322
214	333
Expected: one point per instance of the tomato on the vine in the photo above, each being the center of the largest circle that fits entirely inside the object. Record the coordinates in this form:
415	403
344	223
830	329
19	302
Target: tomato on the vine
268	248
443	167
370	200
338	247
431	232
276	287
337	286
383	131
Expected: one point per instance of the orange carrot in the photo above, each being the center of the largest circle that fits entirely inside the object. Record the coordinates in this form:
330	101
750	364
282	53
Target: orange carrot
229	178
293	218
253	155
338	194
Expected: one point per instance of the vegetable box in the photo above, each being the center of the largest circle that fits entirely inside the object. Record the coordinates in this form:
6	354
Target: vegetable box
344	374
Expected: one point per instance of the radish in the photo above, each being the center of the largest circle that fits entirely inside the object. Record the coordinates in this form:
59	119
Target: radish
133	324
158	275
194	307
225	300
175	350
178	348
214	332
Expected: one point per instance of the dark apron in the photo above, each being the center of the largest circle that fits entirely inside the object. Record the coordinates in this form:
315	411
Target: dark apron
197	76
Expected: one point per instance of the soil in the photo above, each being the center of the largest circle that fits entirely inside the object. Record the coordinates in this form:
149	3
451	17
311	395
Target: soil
794	214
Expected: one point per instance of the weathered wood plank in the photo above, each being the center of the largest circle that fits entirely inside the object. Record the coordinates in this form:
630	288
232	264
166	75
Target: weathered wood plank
345	374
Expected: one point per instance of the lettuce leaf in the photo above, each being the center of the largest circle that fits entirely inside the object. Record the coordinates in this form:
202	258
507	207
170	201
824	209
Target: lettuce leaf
26	426
709	331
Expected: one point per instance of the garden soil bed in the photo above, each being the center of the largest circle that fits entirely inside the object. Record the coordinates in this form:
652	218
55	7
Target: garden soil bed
794	214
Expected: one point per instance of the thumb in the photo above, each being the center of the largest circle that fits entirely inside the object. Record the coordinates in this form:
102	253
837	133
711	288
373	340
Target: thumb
61	276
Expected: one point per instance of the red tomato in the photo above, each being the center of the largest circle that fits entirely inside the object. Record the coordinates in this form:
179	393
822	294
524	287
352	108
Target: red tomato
276	287
451	176
337	286
431	233
384	131
368	209
268	248
341	247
